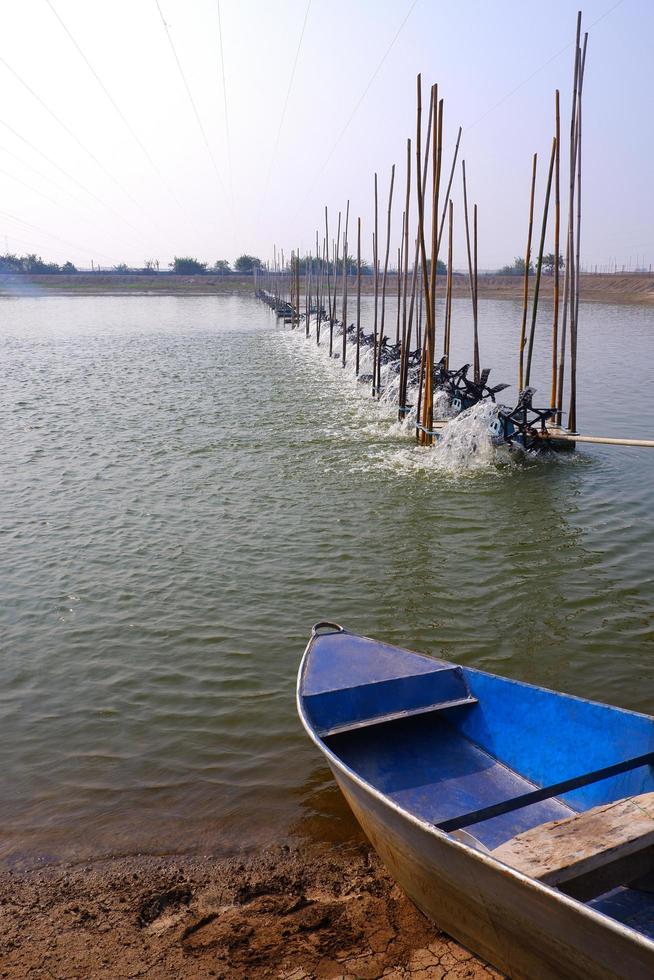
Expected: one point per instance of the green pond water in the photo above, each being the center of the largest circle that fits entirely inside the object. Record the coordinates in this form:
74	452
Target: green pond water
186	487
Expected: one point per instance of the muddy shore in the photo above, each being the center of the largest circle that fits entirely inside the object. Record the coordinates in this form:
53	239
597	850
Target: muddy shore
596	288
292	913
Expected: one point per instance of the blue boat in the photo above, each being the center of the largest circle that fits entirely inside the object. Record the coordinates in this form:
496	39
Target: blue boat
519	819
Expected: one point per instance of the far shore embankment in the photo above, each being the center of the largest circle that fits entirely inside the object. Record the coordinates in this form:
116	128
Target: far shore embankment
595	288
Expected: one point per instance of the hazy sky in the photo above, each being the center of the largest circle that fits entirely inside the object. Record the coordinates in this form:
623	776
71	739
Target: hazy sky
136	174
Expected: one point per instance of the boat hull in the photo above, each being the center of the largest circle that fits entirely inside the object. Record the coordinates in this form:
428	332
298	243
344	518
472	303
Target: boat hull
520	926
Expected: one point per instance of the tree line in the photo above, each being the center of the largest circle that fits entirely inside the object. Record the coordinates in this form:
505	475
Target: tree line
187	265
518	267
181	265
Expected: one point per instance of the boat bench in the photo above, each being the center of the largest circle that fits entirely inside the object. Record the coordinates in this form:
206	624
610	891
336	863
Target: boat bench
592	852
361	706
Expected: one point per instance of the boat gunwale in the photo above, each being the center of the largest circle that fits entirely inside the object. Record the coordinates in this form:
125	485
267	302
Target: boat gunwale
493	863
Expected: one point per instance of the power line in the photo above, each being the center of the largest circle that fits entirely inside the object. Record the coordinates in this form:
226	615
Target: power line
356	107
549	61
71	177
283	115
39	173
49	234
68	130
33	190
222	65
190	97
126	122
43	176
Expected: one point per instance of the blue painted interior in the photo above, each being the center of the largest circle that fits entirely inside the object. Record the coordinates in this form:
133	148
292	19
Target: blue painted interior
365	701
342	660
425	766
548	737
446	763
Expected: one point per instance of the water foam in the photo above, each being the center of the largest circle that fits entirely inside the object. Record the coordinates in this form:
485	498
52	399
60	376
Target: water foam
464	444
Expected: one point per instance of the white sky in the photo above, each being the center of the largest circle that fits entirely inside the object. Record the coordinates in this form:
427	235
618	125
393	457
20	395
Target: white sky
164	197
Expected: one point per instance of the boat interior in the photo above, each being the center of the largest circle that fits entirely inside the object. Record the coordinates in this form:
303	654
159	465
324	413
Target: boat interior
493	762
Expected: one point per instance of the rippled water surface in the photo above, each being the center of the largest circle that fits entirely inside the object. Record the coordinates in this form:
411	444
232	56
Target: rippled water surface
186	488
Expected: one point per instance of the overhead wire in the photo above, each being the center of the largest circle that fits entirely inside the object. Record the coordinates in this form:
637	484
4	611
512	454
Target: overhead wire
68	130
115	105
227	135
348	122
537	71
40	193
285	107
42	175
49	234
33	190
71	177
187	87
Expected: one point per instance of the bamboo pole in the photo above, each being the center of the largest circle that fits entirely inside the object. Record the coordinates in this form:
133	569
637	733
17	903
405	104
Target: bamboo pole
322	287
333	318
423	252
405	243
568	286
539	266
437	128
404	367
601	440
403	409
449	187
399	287
421	302
557	244
375	242
383	305
347	220
476	365
317	267
430	346
308	265
572	410
525	297
471	276
448	299
358	295
329	286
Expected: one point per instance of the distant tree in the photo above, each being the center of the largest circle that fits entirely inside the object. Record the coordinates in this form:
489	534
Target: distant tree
68	267
549	261
441	268
10	263
35	265
366	268
221	266
151	265
246	264
517	269
186	266
123	267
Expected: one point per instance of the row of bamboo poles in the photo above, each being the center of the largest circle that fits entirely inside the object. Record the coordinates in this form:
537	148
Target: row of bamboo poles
324	275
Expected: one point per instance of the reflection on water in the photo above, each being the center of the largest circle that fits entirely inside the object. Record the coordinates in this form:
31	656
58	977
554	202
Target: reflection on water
323	814
186	488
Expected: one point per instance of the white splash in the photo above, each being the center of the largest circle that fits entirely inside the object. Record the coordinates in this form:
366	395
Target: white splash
464	444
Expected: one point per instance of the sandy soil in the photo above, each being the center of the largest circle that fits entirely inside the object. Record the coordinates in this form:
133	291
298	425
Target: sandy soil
594	288
291	914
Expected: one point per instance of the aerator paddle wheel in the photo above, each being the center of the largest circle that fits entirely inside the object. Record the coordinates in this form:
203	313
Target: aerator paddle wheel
462	390
524	425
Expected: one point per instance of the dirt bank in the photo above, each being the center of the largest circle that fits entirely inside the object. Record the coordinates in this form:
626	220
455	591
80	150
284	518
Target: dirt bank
594	288
292	914
99	284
